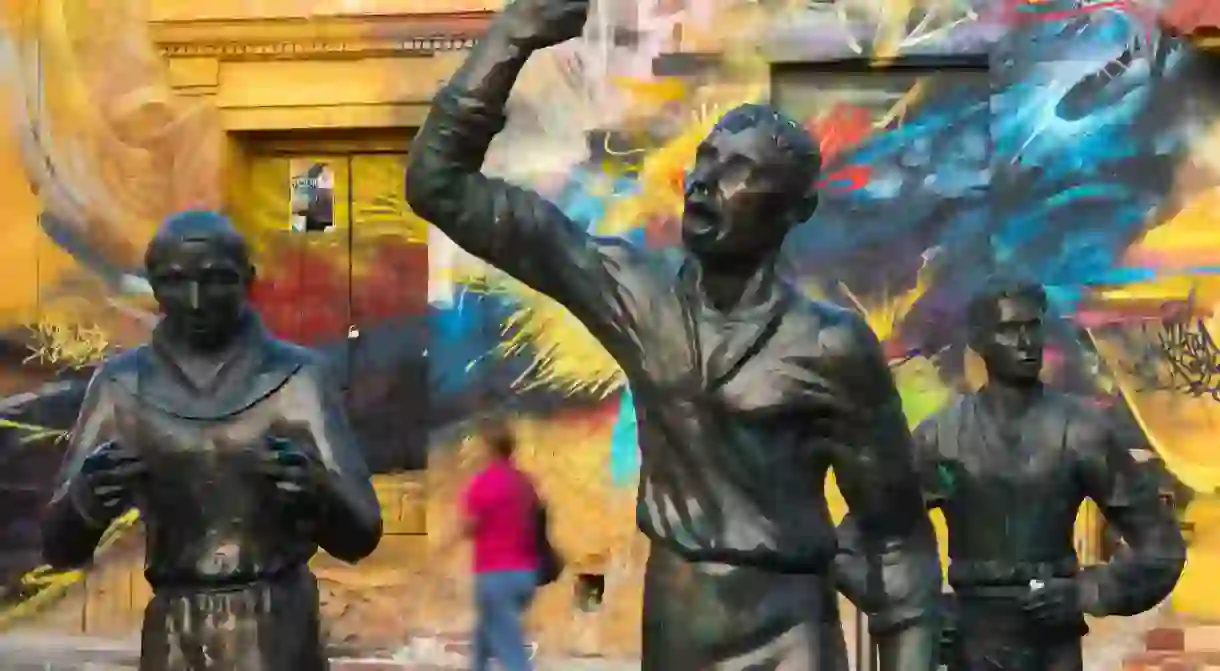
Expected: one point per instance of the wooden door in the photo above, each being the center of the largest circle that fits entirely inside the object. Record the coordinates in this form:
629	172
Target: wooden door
356	289
303	291
388	390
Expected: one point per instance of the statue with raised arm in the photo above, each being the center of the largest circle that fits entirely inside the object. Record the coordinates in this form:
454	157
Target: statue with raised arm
746	392
235	449
1009	466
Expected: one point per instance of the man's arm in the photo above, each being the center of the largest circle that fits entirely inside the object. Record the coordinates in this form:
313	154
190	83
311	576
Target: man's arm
851	566
513	229
349	523
875	467
1146	569
70	534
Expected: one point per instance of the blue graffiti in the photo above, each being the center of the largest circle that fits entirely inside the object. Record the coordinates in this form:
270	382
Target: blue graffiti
624	447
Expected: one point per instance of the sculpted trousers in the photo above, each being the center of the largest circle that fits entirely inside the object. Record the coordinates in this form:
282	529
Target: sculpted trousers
264	626
994	635
704	616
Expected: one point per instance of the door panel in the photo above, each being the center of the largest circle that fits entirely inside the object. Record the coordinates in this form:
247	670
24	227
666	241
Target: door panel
303	288
357	291
388	388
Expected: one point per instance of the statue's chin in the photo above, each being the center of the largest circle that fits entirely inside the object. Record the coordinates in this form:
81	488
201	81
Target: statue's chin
207	337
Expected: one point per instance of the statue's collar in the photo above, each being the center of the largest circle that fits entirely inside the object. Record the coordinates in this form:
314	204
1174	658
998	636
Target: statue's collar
253	368
234	355
764	293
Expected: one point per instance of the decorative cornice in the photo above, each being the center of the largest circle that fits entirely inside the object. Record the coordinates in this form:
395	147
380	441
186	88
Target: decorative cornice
313	48
329	37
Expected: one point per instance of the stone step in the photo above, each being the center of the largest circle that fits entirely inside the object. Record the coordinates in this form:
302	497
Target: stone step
1188	637
1173	661
1178	646
382	665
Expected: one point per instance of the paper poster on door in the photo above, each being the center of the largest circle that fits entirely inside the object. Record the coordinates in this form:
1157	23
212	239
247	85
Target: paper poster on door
311	195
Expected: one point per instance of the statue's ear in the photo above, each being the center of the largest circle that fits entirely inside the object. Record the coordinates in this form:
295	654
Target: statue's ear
251	276
806	207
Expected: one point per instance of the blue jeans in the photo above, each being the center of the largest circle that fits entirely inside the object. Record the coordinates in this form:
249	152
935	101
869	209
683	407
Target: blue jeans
501	598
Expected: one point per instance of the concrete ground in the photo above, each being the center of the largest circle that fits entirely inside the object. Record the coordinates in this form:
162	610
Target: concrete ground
1105	652
36	652
1110	642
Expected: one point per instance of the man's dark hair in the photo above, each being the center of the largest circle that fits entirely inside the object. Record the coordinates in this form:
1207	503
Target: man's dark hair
983	305
500	437
789	136
196	225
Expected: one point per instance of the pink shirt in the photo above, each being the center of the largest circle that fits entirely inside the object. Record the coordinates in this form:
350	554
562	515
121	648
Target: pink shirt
500	502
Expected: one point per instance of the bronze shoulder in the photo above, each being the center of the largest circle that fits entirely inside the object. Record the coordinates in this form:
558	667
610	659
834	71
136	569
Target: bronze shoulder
122	367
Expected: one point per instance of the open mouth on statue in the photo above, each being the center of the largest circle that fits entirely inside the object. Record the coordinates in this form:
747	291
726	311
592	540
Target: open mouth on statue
700	217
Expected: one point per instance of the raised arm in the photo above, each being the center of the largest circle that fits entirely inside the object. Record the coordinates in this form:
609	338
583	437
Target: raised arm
513	229
349	524
73	522
1145	570
874	463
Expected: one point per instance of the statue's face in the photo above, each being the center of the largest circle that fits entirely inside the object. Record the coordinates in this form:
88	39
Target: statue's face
1012	345
202	291
742	196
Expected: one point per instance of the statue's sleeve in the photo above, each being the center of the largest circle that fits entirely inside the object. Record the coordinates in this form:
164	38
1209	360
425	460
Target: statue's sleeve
512	228
896	564
349	522
934	476
850	563
1146	567
69	534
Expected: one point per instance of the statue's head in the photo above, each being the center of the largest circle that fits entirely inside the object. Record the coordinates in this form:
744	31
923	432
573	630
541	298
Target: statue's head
200	271
753	181
1007	330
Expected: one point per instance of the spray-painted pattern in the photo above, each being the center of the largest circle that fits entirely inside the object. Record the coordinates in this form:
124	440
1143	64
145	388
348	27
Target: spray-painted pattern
1073	141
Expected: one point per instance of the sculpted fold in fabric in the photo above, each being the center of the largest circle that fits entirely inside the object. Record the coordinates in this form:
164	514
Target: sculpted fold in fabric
743	403
246	466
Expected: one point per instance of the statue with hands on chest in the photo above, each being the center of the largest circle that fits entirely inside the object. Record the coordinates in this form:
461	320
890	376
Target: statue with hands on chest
235	448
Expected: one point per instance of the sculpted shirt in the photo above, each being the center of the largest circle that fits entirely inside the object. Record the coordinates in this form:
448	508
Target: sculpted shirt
1010	489
740	415
211	518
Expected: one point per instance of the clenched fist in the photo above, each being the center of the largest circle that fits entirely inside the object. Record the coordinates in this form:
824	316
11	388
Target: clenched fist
297	475
538	24
104	489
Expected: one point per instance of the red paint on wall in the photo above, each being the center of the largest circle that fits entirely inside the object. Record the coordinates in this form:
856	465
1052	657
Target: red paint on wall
839	130
1192	17
306	297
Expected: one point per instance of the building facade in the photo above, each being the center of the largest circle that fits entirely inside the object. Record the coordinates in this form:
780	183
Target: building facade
1043	132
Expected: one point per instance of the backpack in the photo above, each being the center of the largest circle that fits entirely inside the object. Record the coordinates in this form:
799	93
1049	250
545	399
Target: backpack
550	564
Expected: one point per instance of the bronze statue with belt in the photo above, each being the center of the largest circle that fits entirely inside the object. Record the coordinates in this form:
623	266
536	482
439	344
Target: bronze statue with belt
1010	466
235	448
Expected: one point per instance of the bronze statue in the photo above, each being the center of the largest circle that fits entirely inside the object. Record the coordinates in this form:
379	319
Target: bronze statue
746	392
1010	466
235	449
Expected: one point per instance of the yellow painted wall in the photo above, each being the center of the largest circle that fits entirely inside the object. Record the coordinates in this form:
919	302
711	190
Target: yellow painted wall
225	10
1198	593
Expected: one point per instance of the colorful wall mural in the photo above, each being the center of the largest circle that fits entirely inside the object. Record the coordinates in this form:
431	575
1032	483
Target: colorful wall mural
1073	141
